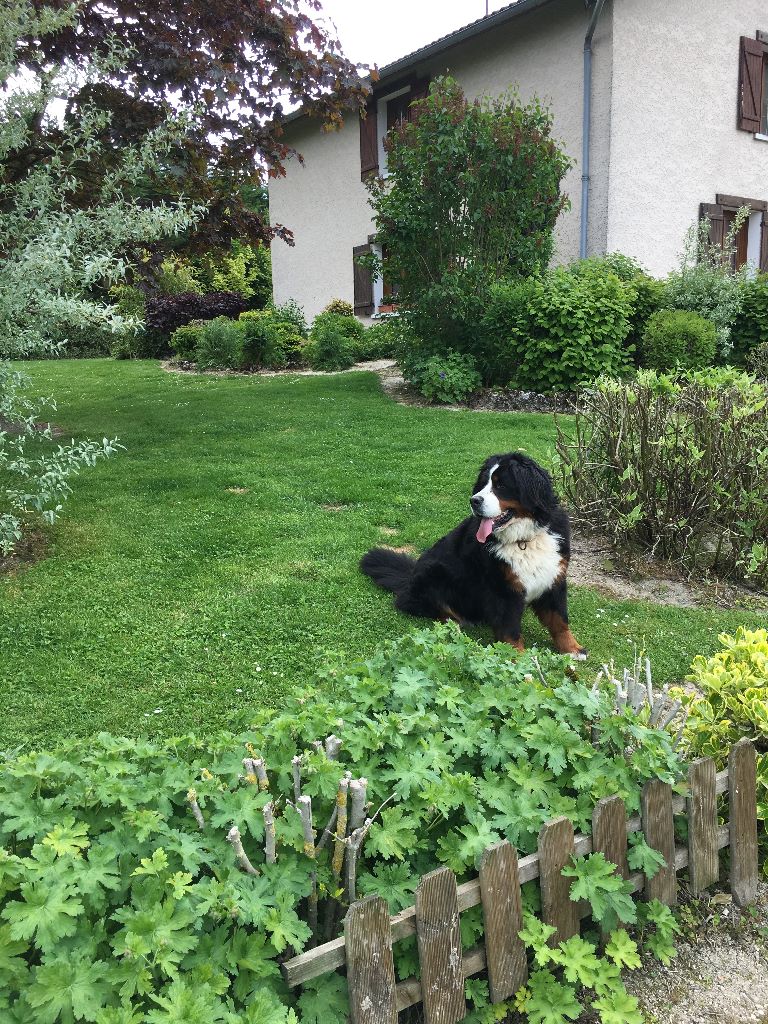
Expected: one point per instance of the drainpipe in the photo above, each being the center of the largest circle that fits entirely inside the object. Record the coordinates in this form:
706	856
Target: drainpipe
586	125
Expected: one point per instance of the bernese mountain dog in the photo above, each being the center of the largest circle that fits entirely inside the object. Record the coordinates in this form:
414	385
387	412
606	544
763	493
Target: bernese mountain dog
513	551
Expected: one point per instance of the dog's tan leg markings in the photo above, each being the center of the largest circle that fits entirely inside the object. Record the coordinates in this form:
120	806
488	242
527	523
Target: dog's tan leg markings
517	644
562	637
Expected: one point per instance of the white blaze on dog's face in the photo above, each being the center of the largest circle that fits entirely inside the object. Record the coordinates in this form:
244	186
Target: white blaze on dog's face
484	502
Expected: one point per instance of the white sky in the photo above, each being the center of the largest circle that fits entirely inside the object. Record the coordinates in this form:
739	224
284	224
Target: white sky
372	32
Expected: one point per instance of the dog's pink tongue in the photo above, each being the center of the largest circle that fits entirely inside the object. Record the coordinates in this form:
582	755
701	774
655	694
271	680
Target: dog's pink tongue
485	530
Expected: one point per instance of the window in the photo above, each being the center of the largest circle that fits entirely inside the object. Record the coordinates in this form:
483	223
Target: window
751	242
383	112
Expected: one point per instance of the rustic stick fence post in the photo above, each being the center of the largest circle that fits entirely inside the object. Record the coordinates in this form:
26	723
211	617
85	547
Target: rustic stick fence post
609	832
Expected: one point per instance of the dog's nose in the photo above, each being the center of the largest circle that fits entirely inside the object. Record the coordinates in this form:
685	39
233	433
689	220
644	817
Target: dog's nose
476	501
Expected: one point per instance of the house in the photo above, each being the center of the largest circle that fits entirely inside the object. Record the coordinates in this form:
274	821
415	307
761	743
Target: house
674	94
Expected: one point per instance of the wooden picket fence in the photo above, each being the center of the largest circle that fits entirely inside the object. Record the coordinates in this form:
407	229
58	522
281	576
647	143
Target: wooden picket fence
366	947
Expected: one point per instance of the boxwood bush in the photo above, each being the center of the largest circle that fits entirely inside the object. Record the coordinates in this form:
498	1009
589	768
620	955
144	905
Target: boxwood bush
157	882
678	339
333	341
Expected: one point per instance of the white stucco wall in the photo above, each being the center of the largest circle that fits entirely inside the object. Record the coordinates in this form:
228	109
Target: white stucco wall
324	201
674	141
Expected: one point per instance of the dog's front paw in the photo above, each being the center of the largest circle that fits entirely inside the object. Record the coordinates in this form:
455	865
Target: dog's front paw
581	655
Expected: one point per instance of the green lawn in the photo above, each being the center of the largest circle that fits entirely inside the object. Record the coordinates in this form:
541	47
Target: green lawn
167	602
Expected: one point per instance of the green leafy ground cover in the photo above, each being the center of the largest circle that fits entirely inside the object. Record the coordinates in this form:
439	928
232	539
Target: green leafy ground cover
168	601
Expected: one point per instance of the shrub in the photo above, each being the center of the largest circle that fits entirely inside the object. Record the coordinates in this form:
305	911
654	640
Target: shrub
555	331
340	307
757	361
706	283
471	196
243	268
449	379
290	312
184	340
732	703
119	881
674	466
220	344
270	342
678	339
334	341
167	312
177	277
381	340
750	327
649	291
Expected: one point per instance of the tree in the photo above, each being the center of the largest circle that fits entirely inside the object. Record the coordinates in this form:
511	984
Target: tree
471	197
232	66
55	250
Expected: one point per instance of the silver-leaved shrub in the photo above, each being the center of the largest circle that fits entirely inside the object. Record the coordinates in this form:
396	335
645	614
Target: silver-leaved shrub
55	251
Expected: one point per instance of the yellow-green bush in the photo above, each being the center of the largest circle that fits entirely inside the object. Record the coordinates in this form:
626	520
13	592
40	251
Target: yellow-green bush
733	704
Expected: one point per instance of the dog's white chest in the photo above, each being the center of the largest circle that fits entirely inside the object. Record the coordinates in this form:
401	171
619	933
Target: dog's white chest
533	555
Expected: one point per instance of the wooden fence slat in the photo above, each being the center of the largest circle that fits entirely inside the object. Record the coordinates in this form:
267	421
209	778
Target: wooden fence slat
703	862
329	956
659	829
742	814
609	832
370	965
439	940
556	848
503	919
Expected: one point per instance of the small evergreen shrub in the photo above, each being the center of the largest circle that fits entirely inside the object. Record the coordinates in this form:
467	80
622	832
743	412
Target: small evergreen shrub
678	339
730	702
220	345
757	361
184	340
269	342
334	341
449	379
675	466
340	307
167	312
290	312
382	339
750	327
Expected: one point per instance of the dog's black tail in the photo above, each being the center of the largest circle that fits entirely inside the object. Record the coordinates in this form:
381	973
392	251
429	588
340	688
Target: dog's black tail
389	569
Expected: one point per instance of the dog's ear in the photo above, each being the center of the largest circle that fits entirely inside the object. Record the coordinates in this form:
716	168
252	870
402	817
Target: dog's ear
535	489
487	466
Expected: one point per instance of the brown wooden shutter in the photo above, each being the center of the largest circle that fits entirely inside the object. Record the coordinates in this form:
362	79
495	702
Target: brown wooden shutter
363	282
714	212
419	91
369	141
751	56
764	243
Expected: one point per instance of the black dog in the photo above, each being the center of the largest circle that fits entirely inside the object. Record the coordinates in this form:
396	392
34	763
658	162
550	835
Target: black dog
512	552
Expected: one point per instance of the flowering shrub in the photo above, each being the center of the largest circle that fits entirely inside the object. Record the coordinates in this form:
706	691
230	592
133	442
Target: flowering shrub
449	379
